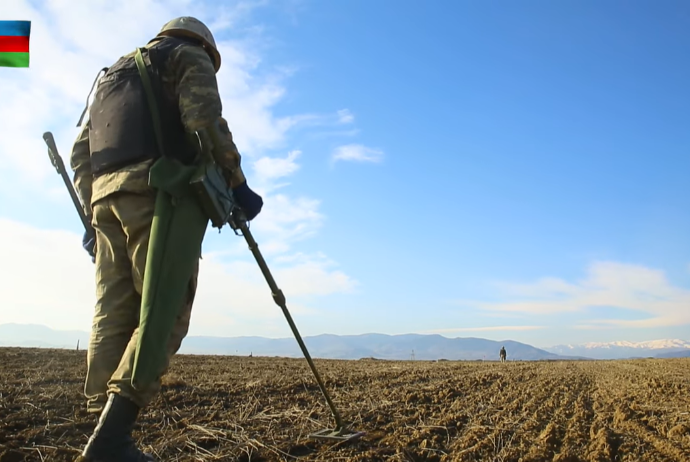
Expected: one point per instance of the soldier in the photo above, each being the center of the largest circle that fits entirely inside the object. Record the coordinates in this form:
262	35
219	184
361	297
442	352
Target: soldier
112	158
502	353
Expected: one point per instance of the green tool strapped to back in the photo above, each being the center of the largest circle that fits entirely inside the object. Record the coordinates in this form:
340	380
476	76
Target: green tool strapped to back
187	196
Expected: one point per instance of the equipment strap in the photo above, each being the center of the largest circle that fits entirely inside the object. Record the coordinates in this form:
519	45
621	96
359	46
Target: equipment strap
151	99
93	85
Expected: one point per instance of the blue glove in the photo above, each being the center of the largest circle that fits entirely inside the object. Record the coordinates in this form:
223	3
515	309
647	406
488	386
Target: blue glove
89	243
249	201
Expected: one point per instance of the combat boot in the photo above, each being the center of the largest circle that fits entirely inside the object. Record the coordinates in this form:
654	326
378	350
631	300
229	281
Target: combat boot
112	438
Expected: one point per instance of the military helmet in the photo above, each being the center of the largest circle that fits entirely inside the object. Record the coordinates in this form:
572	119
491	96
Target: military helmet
186	26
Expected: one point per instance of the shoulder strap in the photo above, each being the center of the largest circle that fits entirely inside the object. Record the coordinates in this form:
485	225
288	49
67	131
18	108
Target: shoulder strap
151	99
93	85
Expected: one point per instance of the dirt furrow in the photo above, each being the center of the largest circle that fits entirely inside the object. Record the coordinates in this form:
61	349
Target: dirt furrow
263	409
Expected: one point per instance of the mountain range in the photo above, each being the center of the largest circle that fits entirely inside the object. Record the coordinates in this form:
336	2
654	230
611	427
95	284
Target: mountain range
667	348
380	346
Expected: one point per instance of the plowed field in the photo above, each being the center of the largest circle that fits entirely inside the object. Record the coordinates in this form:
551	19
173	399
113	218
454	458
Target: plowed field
263	409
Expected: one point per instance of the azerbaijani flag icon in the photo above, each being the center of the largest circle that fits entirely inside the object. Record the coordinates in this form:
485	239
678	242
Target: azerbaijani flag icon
14	43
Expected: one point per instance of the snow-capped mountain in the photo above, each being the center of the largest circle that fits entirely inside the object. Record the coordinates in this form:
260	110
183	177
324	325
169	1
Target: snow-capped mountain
624	349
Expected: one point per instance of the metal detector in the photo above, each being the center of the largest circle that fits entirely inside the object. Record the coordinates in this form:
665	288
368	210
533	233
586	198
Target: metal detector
340	432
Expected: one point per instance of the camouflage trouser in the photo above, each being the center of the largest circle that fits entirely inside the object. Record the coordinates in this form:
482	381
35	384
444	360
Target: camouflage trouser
123	223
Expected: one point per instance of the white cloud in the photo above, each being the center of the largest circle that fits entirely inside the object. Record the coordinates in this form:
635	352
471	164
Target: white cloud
357	153
345	116
284	219
635	288
49	279
234	298
289	219
269	169
314	276
226	18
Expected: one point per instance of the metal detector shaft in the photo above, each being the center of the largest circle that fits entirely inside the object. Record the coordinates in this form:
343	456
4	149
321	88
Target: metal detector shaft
59	165
279	299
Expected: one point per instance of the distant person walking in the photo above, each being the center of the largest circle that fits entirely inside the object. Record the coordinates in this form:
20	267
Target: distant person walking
503	354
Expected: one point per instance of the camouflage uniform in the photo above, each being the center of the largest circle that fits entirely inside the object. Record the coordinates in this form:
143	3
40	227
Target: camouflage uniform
121	205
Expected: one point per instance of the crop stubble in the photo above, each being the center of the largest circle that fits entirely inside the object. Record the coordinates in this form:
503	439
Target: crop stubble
262	409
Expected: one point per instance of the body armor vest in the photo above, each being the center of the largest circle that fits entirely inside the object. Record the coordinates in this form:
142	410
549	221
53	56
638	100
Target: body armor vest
121	129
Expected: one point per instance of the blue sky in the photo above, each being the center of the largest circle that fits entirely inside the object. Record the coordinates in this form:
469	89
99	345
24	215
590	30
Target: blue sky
490	169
